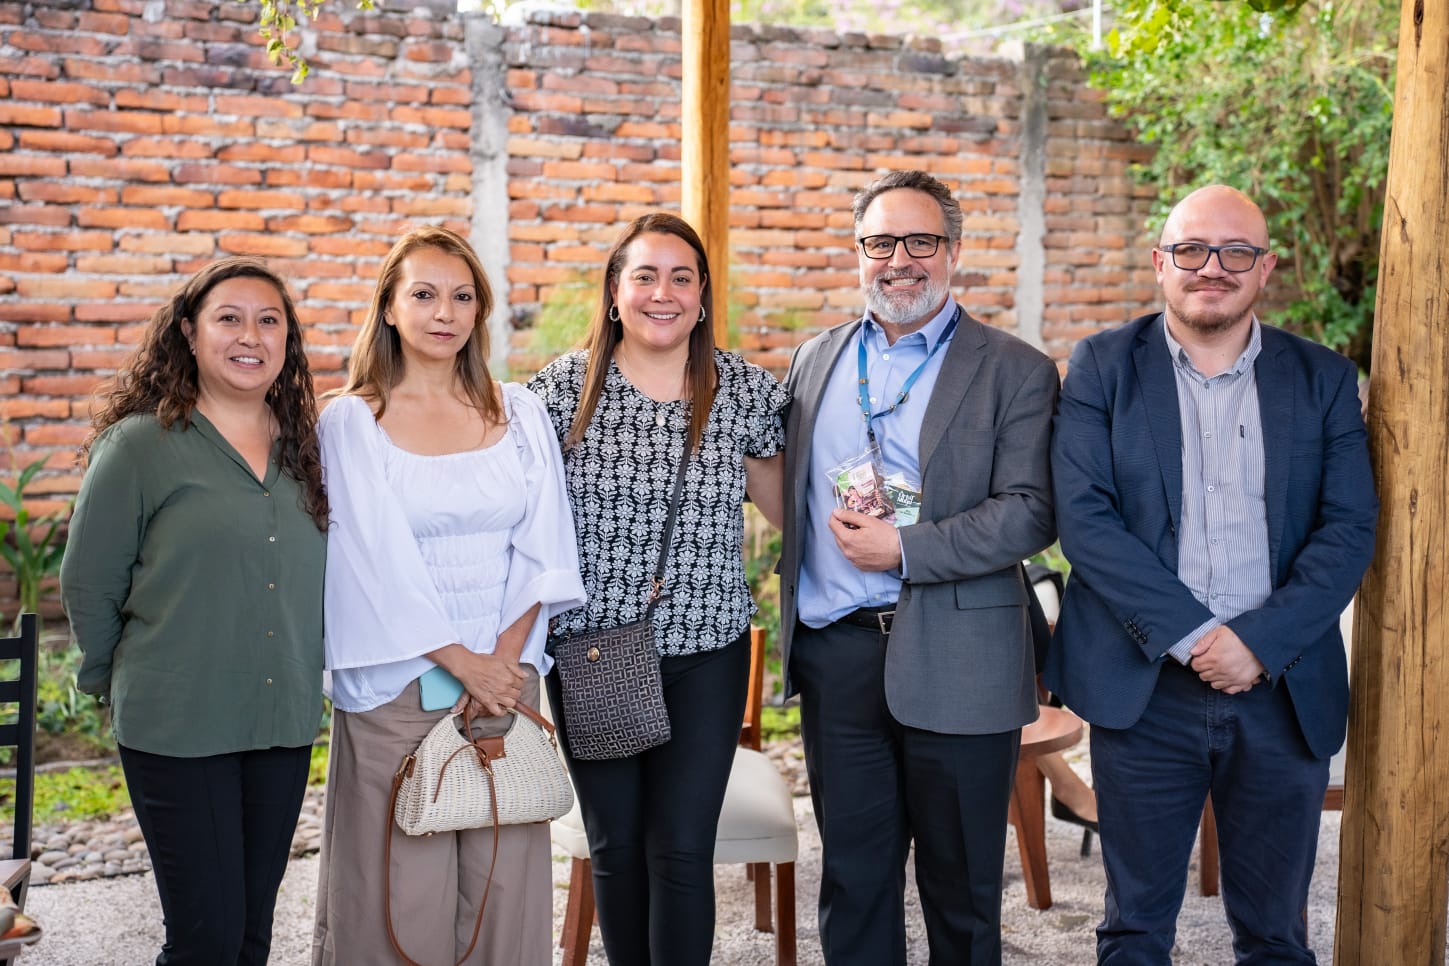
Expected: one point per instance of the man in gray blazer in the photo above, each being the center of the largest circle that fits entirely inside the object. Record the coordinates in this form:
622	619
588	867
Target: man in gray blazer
909	642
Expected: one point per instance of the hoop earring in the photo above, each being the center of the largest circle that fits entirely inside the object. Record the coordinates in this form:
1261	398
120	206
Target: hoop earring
702	316
613	313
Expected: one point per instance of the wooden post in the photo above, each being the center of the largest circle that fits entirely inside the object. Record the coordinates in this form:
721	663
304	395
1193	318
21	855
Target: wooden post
1393	874
705	155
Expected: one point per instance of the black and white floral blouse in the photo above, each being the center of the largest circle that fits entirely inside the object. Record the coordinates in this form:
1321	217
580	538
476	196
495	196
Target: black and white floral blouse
620	477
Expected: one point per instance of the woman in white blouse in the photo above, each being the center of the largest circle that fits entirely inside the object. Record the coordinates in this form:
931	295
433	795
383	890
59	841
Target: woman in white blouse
451	546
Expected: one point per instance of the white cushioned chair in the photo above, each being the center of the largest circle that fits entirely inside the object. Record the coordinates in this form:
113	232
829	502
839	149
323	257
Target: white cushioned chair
756	828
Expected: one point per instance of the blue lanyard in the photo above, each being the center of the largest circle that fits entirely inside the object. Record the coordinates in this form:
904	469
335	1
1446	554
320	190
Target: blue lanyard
863	391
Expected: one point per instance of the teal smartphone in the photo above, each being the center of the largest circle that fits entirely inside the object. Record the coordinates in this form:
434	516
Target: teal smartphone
440	690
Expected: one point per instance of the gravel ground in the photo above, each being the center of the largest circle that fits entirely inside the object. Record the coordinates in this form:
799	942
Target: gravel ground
117	921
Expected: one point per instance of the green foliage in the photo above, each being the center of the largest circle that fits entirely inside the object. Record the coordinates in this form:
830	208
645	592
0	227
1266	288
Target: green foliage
70	796
1294	108
32	546
762	552
278	24
317	771
563	319
778	723
85	793
61	710
1053	558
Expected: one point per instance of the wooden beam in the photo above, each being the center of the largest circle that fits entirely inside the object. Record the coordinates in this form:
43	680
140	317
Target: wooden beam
705	154
1393	875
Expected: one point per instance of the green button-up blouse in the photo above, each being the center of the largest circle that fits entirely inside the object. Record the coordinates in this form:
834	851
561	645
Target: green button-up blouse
194	591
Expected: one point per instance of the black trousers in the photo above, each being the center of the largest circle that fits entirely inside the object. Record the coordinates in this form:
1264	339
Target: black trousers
651	818
876	785
219	830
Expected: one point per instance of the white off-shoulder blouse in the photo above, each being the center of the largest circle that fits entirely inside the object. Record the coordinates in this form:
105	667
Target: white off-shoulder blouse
425	551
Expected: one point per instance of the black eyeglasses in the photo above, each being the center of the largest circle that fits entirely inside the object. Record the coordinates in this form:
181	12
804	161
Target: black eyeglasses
884	246
1192	256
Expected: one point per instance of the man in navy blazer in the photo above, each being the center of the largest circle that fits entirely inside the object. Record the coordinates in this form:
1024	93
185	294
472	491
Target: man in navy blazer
1215	500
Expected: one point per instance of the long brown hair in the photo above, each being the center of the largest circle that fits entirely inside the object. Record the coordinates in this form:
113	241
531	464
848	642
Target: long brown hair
604	334
377	363
160	378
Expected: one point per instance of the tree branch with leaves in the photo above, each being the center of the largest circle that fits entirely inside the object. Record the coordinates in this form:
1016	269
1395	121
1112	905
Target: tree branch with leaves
278	25
1290	102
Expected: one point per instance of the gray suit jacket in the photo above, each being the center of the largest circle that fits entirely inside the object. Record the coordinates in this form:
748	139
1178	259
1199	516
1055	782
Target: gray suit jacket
960	654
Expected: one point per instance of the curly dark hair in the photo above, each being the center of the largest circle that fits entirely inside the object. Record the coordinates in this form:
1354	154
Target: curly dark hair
160	378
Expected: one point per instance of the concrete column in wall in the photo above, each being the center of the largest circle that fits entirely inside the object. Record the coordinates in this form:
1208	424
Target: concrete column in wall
491	109
1031	195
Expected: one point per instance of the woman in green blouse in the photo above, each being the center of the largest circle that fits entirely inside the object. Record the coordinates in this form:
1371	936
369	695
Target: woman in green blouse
193	583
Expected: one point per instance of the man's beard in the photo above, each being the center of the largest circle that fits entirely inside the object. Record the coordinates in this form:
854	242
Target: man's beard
903	308
1211	321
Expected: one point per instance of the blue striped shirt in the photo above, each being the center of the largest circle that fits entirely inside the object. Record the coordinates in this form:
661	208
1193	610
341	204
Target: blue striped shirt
1223	535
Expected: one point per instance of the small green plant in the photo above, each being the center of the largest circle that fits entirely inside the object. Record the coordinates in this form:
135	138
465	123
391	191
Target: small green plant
31	546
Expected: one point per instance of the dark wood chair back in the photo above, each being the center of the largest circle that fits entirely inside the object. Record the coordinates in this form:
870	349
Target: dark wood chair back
18	659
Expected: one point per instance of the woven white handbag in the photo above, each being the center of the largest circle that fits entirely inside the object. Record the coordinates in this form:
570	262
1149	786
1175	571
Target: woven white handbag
452	782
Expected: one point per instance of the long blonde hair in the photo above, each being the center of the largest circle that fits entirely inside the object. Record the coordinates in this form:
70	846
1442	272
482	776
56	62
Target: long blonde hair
604	333
376	364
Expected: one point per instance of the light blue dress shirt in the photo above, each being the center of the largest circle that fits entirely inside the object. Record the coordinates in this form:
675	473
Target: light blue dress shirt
830	586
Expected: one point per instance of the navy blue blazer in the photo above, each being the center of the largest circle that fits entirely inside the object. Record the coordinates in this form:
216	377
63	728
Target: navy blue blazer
1117	477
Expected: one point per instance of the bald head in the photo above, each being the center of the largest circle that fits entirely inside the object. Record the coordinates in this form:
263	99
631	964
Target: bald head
1216	204
1213	299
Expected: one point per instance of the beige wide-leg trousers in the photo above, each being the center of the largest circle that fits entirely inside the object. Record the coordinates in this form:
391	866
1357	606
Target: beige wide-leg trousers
436	882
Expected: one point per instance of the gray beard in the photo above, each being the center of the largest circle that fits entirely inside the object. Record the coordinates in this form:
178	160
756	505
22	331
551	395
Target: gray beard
903	309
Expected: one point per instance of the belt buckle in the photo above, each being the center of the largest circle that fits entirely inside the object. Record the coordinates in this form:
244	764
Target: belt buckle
884	618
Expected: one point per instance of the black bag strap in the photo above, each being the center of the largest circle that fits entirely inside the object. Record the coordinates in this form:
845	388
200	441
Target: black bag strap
656	586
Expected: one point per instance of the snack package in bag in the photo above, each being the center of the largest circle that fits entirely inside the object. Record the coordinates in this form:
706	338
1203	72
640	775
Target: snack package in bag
858	486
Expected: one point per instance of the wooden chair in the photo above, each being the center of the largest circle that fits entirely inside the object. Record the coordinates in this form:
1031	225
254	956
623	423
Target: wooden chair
1055	730
17	687
1208	869
756	827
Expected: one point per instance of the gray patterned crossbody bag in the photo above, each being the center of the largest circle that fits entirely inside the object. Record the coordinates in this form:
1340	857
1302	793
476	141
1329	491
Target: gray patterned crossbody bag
613	696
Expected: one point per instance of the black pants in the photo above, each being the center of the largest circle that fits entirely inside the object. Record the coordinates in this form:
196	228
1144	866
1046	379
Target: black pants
219	830
877	785
651	818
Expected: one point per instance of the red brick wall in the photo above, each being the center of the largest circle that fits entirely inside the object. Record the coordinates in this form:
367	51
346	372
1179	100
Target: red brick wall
816	115
135	148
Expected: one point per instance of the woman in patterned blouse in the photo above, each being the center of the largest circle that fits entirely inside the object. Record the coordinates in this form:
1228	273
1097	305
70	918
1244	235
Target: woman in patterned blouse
649	383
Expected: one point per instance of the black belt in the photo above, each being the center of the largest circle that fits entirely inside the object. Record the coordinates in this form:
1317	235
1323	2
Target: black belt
871	618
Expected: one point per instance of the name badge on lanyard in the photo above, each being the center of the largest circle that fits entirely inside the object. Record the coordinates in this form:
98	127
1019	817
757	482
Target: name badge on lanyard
862	482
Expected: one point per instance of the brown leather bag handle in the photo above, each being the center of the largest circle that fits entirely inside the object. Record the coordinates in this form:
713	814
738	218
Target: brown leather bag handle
532	715
397	781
